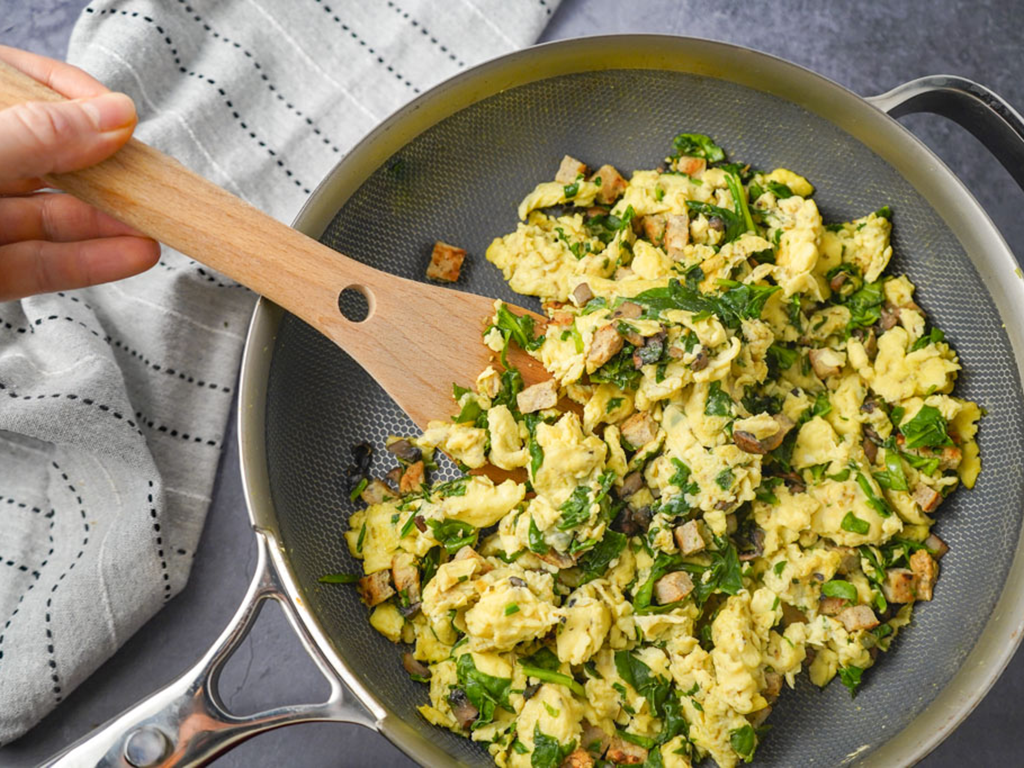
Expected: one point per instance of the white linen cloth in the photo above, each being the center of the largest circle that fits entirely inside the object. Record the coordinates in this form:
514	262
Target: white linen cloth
114	399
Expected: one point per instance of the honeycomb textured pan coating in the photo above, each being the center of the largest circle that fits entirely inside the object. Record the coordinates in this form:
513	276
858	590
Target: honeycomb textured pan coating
460	181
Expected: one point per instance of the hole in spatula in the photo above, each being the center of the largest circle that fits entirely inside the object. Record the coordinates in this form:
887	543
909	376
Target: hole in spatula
354	303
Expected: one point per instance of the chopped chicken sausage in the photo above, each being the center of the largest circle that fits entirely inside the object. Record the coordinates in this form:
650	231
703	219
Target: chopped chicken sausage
569	169
375	588
672	587
445	262
538	397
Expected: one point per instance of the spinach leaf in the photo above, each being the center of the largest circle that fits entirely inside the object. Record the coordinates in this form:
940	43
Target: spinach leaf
543	665
934	336
534	447
850	677
781	191
429	565
547	752
741	301
894	467
472	413
926	430
595	562
681	478
619	371
484	691
453	534
734	223
605	226
718	403
739	196
877	503
865	305
652	687
511	385
743	742
840	588
726	572
339	578
698	145
537	542
854	524
782	357
517	327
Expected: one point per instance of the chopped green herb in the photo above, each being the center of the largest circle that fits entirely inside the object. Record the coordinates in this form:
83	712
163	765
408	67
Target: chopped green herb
511	608
359	489
743	742
698	145
850	676
854	524
339	578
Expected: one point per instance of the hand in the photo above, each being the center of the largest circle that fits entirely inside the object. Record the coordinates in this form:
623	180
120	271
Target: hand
51	241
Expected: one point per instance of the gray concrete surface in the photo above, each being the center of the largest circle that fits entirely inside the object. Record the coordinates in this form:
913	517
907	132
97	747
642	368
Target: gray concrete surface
868	47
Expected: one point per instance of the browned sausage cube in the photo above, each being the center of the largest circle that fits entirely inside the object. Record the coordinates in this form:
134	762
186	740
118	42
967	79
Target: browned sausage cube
538	396
594	739
677	235
927	498
831	606
375	588
375	492
937	546
899	585
569	169
654	227
445	262
412	478
611	185
691	166
858	617
672	587
639	429
578	758
406	576
624	753
772	685
607	343
926	571
689	538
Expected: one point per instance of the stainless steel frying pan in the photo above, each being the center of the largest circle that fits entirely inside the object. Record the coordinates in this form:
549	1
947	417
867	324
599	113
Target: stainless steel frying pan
452	165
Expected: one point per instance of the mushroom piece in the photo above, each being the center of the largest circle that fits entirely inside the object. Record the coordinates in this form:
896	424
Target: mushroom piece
672	587
569	169
581	294
870	450
631	483
756	542
606	344
898	586
751	444
858	617
826	362
405	450
462	708
639	429
690	538
560	560
414	666
412	478
650	350
927	499
926	571
628	310
700	360
538	397
375	588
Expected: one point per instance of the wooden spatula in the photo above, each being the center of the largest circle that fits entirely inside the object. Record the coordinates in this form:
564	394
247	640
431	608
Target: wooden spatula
417	338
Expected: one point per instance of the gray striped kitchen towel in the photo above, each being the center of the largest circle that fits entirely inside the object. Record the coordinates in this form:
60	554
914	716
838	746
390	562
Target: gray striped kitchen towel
114	399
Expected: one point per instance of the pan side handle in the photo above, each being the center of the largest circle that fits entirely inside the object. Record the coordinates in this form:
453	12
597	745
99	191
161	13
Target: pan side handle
981	111
186	723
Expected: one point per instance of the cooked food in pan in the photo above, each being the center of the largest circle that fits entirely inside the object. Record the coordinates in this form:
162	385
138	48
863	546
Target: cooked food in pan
731	478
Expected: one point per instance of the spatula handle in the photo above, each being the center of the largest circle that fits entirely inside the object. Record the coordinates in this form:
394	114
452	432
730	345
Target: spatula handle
157	195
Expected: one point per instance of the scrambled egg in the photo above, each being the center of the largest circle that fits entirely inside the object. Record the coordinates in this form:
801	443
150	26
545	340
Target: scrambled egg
762	427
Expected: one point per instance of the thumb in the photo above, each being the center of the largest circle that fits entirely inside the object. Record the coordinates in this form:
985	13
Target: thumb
37	138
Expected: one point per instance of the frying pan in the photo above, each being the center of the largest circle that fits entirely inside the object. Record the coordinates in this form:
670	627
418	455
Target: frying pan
452	165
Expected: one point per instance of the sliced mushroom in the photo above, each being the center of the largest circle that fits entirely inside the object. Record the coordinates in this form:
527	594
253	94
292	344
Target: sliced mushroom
394	475
631	483
414	667
826	362
700	360
462	708
870	450
560	560
837	281
757	544
405	450
581	294
628	310
751	444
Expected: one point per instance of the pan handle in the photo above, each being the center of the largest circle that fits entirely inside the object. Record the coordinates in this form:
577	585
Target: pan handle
984	113
186	723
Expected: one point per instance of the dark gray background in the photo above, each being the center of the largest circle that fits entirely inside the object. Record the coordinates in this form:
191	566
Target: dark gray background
868	47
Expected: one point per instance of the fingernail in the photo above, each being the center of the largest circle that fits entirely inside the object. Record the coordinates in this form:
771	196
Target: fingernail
110	111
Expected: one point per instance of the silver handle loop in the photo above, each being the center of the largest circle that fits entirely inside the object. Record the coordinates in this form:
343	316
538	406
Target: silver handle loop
186	722
980	110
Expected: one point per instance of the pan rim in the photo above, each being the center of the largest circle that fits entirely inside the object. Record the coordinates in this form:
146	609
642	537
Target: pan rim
918	165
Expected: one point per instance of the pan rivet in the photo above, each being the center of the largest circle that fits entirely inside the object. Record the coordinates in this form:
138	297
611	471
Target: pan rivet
145	747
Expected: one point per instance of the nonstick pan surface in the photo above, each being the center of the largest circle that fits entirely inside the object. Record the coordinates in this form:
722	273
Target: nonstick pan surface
453	167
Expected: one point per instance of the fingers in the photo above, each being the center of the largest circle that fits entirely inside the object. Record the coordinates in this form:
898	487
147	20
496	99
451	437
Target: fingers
63	78
37	138
35	266
55	217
